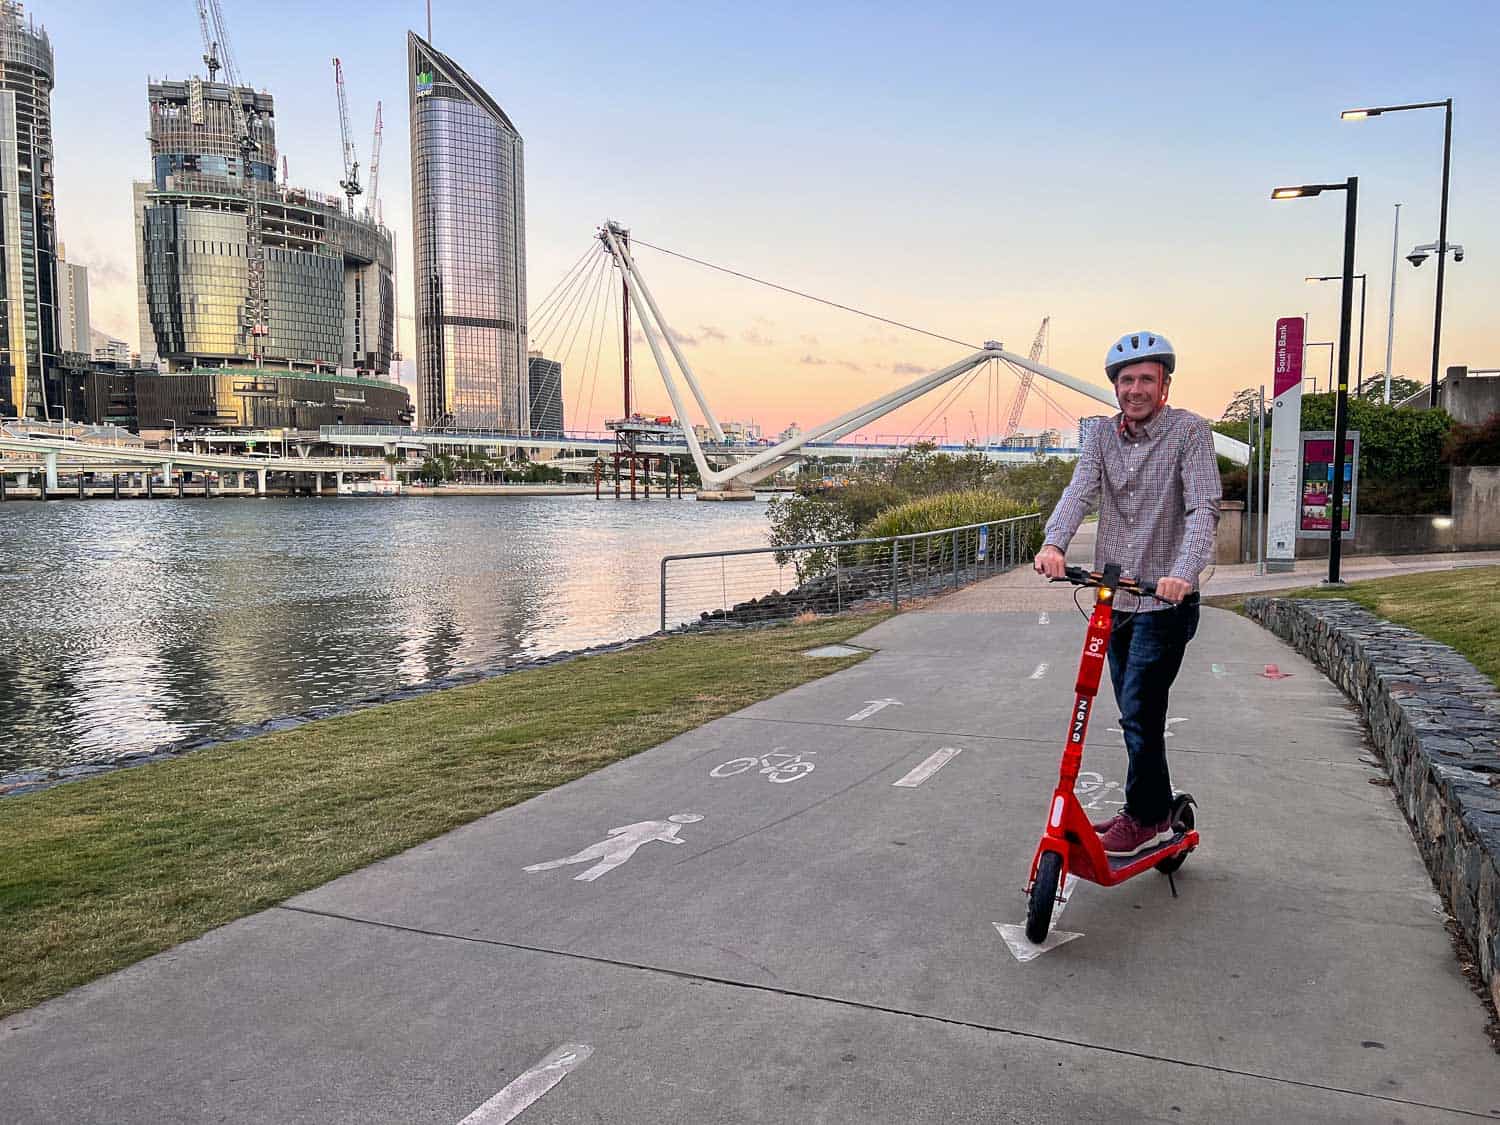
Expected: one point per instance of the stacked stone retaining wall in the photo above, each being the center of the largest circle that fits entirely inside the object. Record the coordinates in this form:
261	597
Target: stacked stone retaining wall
1435	720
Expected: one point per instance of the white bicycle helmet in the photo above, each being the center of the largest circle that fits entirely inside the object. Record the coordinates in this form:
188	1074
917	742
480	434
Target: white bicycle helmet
1136	346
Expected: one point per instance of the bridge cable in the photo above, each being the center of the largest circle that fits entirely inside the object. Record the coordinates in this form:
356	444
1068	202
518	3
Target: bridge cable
537	311
566	353
563	307
589	350
634	241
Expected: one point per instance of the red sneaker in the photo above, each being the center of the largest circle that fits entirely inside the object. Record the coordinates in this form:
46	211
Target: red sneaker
1103	826
1128	836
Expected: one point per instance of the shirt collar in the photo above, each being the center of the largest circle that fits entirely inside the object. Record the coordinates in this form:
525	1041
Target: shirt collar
1146	429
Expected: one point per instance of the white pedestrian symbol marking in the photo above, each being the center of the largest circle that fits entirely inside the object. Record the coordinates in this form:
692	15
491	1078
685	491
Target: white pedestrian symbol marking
1041	670
1043	619
874	706
621	845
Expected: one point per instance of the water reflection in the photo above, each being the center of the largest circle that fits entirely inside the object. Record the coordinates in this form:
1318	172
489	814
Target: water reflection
130	626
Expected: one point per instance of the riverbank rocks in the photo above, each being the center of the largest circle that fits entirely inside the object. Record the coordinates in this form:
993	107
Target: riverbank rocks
1435	720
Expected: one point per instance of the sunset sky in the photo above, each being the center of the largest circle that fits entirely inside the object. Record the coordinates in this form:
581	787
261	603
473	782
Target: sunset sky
966	168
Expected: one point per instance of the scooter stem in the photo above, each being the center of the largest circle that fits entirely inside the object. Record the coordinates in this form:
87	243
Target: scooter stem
1086	687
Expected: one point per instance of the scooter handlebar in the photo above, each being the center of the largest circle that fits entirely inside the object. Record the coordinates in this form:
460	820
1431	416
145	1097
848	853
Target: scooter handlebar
1081	577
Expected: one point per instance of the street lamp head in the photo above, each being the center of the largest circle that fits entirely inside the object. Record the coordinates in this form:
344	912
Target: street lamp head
1359	114
1295	192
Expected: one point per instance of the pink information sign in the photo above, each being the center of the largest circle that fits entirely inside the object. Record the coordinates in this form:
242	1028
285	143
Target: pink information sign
1289	339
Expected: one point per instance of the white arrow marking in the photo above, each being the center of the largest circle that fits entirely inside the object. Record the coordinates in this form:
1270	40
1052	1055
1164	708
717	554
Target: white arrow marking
874	705
1042	619
934	762
1041	670
519	1094
1020	945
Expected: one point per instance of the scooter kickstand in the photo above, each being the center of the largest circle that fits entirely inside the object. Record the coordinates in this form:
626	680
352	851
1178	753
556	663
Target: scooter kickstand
1171	882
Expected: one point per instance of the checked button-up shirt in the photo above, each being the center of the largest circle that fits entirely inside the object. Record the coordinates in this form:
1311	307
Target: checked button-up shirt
1157	493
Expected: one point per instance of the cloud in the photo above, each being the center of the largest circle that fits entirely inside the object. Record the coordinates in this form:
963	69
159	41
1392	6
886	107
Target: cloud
709	332
908	369
813	361
682	338
850	364
757	337
810	340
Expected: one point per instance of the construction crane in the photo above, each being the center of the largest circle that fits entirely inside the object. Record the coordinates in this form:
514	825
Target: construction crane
284	176
1027	375
210	46
350	182
375	166
217	56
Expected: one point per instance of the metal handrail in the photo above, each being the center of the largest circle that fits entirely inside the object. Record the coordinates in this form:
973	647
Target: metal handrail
893	540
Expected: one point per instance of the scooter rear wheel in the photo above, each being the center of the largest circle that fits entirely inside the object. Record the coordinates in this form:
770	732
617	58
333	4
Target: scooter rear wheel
1043	896
1184	821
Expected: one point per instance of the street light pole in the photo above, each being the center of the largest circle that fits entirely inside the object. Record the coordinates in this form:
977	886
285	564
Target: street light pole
1446	105
1350	188
1341	402
1359	370
1437	313
1390	319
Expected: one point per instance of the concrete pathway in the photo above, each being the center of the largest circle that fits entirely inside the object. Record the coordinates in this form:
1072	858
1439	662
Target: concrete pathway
789	915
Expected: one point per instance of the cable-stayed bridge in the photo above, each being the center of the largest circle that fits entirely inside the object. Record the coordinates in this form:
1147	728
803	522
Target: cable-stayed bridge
726	467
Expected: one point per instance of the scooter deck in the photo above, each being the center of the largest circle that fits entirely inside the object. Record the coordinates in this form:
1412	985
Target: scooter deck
1120	862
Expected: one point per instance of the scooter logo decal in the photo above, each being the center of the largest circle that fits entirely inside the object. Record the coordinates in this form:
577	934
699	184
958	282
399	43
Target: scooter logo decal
1080	719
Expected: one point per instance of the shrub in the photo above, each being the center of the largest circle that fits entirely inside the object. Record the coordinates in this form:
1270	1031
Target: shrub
949	509
1473	445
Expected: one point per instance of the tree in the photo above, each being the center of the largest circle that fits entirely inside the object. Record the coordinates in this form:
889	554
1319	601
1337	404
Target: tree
1373	388
1241	406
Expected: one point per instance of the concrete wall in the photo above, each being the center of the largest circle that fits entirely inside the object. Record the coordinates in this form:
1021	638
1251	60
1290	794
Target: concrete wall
1234	533
1476	505
1470	399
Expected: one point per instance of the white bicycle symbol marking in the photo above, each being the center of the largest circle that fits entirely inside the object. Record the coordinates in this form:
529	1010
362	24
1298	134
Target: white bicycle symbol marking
1095	793
776	766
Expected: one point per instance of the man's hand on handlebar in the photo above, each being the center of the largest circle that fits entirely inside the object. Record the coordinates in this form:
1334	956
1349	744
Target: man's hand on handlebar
1049	561
1173	589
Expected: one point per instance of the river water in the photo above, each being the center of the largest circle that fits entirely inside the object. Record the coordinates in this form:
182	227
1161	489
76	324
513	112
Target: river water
131	626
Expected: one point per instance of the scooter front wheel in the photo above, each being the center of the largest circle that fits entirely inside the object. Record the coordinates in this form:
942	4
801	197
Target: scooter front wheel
1043	896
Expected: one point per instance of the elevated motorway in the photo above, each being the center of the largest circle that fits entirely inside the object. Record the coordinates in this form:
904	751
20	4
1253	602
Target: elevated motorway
47	455
392	439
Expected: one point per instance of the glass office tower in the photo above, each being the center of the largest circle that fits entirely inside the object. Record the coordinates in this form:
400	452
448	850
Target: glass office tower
469	235
30	376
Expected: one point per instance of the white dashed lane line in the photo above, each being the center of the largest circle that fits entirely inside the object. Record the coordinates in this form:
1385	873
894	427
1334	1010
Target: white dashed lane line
509	1102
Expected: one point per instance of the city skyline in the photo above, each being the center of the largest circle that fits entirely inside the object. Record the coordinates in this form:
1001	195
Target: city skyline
1047	176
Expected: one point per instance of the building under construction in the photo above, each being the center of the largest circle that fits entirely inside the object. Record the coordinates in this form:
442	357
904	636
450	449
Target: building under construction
28	224
239	275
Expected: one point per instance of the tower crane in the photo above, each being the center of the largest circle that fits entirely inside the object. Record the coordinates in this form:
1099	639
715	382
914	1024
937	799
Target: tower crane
350	182
217	55
375	166
210	46
1027	375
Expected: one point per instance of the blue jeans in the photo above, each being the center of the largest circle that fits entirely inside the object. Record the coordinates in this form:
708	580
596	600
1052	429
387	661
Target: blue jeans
1145	653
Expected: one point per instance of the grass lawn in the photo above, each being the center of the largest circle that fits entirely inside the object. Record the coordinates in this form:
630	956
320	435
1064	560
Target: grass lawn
97	874
1456	607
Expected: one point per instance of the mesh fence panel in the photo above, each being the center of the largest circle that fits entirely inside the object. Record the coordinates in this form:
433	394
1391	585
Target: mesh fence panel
767	583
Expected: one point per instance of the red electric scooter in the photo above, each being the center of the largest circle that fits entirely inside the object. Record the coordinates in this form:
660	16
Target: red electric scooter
1070	843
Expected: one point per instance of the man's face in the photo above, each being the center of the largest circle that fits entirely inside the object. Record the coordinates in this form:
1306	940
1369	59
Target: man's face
1139	388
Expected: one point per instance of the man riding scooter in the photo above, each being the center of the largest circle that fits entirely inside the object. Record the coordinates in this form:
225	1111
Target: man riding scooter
1153	477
